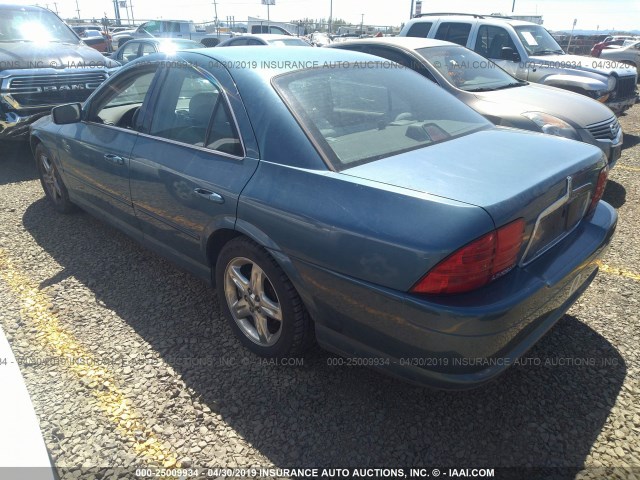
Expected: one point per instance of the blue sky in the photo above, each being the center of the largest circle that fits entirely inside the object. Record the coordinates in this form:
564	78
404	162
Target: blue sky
558	14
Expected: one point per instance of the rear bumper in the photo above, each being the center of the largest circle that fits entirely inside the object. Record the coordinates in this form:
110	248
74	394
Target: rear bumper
461	342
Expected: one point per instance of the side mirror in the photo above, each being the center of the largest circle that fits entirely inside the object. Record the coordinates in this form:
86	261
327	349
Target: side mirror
508	53
65	114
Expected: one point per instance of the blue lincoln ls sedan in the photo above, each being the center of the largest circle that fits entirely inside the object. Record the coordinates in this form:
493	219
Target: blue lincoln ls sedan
332	196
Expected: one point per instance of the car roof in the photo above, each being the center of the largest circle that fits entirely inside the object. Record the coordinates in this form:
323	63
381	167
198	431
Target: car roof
489	19
411	43
169	20
159	40
268	36
268	63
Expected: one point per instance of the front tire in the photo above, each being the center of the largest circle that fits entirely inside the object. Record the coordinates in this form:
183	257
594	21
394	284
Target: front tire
260	302
51	181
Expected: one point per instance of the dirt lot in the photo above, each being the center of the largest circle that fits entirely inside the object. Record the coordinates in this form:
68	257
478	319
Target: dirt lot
163	381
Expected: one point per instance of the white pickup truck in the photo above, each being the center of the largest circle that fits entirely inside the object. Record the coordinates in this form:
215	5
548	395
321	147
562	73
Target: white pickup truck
529	52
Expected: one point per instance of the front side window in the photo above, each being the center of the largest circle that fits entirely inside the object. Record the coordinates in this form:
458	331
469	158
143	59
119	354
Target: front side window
360	114
491	40
454	32
122	99
152	27
537	41
173	27
193	110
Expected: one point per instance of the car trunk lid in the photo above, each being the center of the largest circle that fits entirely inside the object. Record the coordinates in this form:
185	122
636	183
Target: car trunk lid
484	169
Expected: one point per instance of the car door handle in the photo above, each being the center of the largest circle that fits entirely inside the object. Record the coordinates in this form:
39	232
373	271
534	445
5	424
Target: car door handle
209	195
115	159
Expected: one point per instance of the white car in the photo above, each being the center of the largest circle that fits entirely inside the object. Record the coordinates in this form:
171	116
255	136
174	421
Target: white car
23	454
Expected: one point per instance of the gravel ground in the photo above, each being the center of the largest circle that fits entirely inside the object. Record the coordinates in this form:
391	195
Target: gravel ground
165	383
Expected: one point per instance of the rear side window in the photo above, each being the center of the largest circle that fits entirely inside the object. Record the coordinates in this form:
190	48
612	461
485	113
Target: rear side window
192	110
454	32
419	29
130	51
359	115
238	43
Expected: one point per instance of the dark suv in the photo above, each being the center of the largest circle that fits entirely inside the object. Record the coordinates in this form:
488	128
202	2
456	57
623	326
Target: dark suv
43	63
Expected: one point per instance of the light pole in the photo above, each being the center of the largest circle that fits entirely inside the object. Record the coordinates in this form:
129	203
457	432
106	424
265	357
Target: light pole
330	15
215	7
133	20
362	24
575	20
411	11
513	6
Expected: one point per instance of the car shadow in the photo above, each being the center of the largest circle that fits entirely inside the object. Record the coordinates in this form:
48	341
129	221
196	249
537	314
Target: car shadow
16	163
615	194
546	412
630	140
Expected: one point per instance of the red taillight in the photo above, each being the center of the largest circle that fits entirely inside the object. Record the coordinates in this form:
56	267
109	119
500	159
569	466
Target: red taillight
476	264
599	191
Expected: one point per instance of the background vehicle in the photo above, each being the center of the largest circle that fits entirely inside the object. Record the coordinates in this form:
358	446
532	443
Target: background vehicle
320	39
170	29
528	52
608	42
273	29
94	38
501	98
257	25
43	63
139	48
24	449
519	227
628	52
264	39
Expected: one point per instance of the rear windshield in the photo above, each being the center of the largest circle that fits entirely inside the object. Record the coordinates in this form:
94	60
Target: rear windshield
26	25
356	114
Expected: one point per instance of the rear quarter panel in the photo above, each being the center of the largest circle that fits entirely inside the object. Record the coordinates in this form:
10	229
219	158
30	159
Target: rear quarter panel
378	233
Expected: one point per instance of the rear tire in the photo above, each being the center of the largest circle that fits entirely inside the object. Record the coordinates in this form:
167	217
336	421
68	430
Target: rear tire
51	182
260	302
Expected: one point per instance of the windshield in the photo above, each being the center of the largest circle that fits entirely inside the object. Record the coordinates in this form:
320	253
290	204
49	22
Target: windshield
466	70
26	25
360	113
288	42
537	41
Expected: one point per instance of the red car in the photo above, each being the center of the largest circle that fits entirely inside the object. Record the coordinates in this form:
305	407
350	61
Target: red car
94	37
